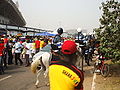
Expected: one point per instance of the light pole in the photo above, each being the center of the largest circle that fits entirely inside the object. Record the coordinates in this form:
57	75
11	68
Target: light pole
79	31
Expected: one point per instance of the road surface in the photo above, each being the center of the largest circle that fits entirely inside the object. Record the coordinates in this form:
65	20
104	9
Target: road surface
21	78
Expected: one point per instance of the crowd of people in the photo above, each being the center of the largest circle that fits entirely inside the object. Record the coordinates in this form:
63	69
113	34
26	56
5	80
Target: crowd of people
19	51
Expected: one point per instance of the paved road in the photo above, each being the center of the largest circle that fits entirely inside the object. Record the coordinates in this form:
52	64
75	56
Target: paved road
21	78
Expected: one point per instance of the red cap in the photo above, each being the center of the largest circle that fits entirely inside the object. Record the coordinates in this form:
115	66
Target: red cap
69	47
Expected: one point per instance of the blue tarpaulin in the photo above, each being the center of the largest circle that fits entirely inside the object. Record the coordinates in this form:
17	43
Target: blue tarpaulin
45	34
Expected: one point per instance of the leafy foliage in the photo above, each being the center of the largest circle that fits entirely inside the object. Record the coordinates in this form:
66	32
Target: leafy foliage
109	31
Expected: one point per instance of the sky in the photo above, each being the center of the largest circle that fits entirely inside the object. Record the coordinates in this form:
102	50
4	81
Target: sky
68	14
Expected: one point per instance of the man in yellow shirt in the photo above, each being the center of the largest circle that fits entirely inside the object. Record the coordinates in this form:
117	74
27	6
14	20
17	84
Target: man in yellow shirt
41	43
63	74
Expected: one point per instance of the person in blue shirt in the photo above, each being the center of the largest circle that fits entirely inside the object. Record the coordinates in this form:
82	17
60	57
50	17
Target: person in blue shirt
56	44
57	40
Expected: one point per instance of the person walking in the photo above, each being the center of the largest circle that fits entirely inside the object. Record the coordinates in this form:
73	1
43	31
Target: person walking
63	74
18	50
10	56
1	56
37	45
28	48
5	57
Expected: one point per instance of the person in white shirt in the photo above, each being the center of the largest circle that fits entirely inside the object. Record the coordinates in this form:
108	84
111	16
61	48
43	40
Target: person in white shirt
28	48
18	49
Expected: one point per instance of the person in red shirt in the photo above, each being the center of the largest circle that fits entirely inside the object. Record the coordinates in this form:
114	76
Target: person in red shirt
5	50
1	56
37	45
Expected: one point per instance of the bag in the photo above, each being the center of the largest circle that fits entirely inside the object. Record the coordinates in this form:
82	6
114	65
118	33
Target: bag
23	51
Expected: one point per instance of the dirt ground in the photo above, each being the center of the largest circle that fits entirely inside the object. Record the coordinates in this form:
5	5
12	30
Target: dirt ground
112	82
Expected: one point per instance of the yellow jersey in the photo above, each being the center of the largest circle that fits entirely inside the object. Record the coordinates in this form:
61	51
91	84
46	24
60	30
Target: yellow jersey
42	44
64	76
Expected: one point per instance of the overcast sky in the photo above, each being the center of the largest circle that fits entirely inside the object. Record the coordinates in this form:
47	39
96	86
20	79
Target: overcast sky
69	14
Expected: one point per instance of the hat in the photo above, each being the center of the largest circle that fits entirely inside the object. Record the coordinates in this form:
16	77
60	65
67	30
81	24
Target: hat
69	47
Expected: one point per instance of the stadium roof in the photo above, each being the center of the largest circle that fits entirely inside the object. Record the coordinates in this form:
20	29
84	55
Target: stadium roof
8	9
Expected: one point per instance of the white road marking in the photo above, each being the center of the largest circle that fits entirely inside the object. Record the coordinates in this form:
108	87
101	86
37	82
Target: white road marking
5	78
93	82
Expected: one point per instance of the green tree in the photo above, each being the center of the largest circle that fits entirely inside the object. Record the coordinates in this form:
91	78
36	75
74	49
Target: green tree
109	31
